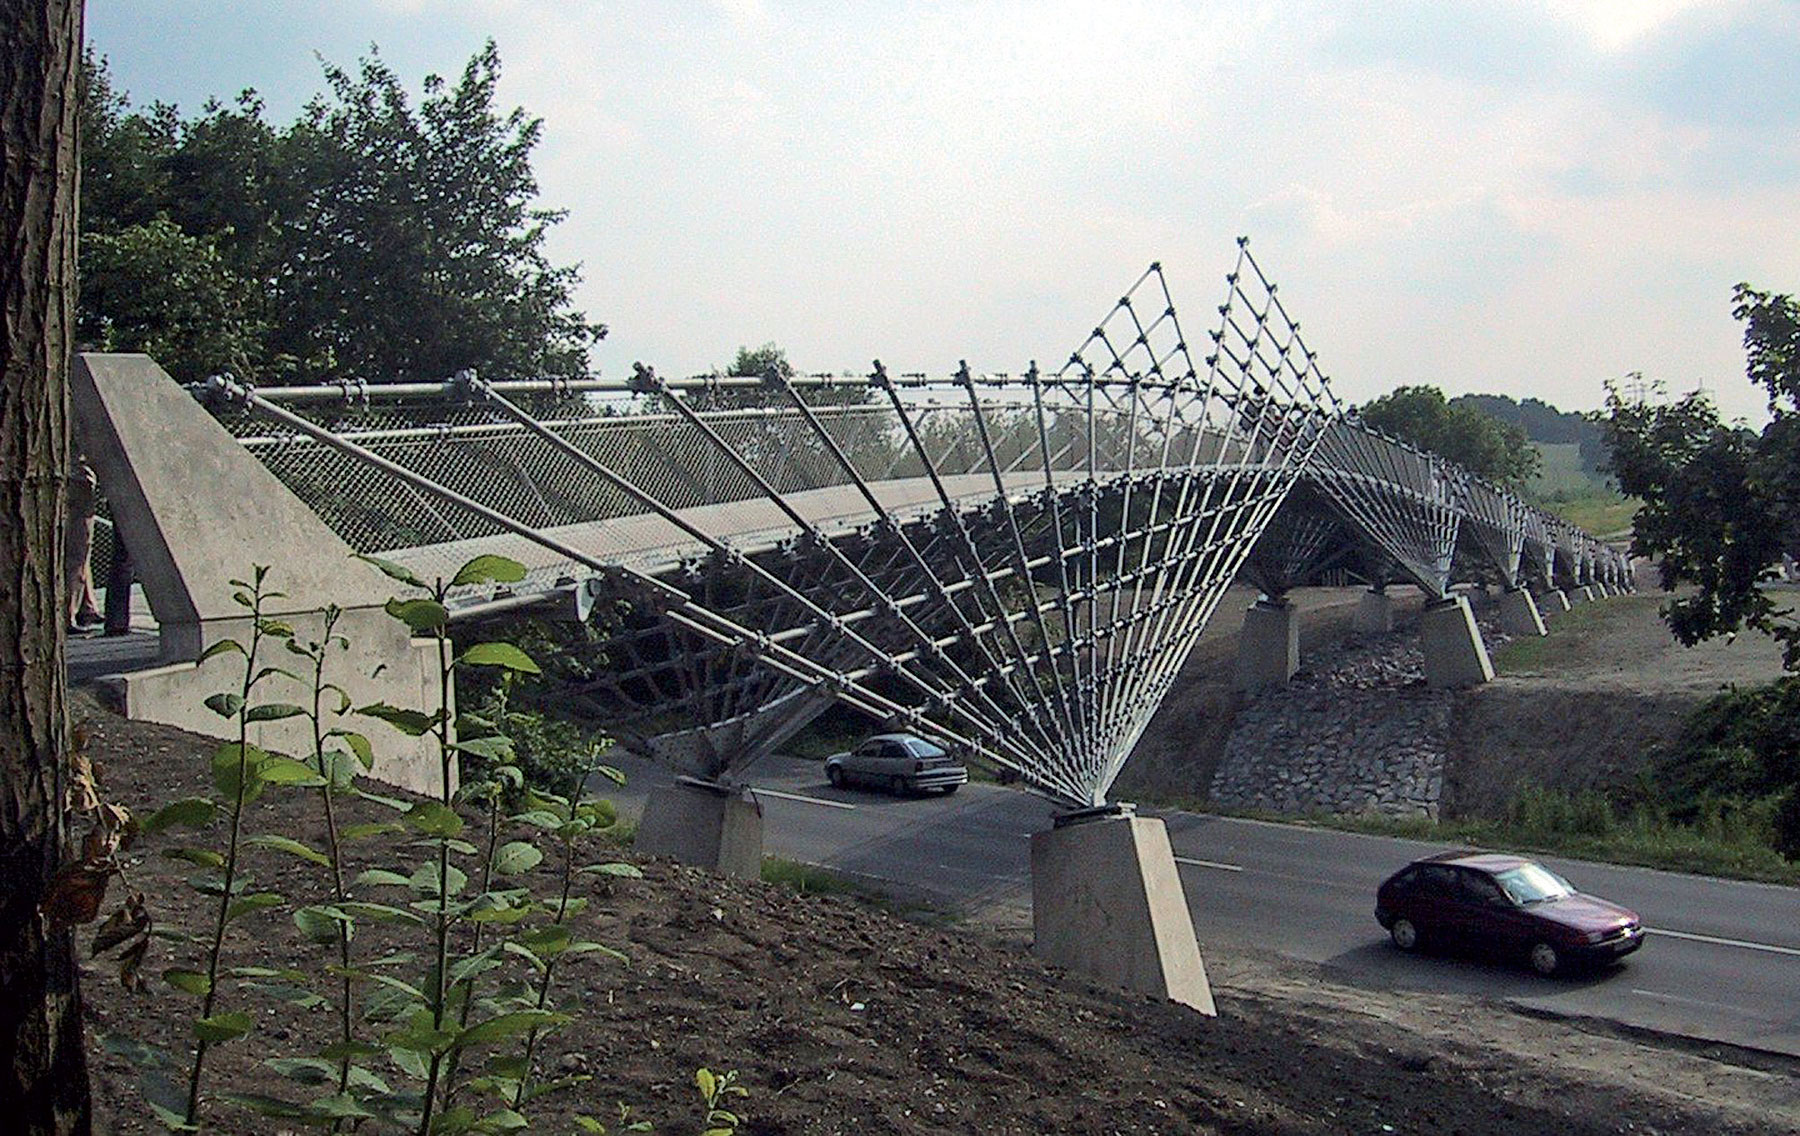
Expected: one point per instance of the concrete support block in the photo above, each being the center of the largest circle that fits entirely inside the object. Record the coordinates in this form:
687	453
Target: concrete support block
1375	613
1553	602
1519	615
1106	901
1583	594
1268	644
197	511
705	824
1454	653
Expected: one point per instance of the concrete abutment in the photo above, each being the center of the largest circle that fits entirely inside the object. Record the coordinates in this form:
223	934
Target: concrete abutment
1268	644
705	824
1454	653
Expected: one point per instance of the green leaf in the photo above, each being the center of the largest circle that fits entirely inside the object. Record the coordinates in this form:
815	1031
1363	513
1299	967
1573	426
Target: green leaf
190	981
505	1026
360	746
414	723
320	923
590	948
338	1106
292	847
516	857
502	655
377	828
394	571
381	913
257	901
489	568
547	941
433	818
273	711
503	1120
306	1070
286	771
189	812
226	765
224	1027
495	748
706	1083
425	880
421	615
220	648
201	857
225	704
339	1050
623	871
381	877
265	1105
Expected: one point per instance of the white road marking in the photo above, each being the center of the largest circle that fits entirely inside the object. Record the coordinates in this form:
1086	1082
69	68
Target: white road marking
803	800
1768	947
1209	864
1660	997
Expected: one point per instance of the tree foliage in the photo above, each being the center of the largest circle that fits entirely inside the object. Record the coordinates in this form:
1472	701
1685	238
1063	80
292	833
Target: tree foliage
1482	444
1721	502
372	238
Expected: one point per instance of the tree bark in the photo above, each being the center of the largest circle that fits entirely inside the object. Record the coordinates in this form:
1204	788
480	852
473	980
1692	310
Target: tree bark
43	1070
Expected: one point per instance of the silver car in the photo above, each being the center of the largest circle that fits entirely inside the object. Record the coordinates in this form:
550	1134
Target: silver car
899	763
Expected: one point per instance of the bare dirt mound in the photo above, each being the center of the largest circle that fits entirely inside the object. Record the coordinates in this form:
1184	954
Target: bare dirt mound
843	1019
1591	706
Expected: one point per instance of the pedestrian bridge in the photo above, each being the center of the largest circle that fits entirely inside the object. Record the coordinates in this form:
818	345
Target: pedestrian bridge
1015	563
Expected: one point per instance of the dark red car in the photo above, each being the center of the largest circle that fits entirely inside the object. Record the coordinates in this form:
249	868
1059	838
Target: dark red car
1506	904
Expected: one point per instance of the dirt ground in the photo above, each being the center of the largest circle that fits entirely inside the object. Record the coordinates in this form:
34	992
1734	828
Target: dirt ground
841	1018
1592	706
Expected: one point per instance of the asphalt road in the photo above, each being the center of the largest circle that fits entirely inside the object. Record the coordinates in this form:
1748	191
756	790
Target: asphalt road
1722	962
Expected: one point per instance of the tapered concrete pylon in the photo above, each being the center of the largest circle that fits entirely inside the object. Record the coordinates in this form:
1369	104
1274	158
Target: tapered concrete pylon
1454	653
1553	602
1519	616
1375	613
1106	901
705	824
1268	644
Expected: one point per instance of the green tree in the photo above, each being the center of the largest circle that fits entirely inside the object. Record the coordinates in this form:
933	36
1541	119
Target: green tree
370	239
416	250
1480	443
1721	502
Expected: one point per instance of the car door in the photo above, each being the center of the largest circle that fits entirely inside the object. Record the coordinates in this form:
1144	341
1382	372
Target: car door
864	763
1489	920
1429	902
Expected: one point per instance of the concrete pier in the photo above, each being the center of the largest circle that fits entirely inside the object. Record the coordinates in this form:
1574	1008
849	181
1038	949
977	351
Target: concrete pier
1106	901
706	824
1519	615
1553	602
1374	613
1454	653
1268	644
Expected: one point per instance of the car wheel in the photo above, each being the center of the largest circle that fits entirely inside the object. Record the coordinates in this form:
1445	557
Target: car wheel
1545	960
835	775
949	789
1404	934
896	786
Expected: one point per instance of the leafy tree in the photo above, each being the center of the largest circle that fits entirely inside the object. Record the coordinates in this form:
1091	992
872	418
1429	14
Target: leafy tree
1721	502
1496	450
759	362
153	288
43	1069
371	238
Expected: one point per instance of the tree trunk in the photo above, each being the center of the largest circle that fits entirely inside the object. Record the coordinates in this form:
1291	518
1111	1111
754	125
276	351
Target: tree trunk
43	1071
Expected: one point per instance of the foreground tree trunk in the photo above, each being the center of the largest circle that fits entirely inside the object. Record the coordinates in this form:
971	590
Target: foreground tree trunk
43	1072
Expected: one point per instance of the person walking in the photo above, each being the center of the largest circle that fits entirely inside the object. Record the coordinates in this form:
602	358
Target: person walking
78	546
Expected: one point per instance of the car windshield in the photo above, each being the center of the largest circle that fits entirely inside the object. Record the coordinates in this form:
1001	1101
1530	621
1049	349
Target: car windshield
1533	883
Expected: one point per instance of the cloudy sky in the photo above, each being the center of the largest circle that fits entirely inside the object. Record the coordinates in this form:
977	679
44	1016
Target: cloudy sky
1526	197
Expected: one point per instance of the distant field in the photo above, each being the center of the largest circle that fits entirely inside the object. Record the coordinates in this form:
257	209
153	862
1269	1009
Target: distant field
1578	496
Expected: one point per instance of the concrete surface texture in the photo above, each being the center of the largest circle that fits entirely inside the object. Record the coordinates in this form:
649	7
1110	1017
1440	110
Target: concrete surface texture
1519	614
706	825
198	512
1375	613
1553	602
1455	656
1106	901
1268	644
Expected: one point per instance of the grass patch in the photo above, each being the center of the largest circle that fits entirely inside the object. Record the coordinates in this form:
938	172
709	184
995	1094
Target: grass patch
1569	634
810	879
1603	513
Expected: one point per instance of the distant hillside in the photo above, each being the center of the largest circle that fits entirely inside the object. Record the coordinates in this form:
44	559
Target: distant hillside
1549	427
